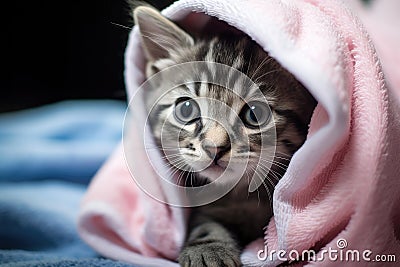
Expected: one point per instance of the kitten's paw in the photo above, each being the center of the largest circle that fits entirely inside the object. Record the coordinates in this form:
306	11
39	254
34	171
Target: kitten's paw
215	254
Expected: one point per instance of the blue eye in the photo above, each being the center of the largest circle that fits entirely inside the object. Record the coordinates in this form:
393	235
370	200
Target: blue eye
256	114
187	110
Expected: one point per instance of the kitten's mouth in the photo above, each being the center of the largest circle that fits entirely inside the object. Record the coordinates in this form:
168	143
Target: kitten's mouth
217	164
207	175
214	170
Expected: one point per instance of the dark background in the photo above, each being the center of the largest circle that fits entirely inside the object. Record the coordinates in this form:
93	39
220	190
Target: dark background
58	50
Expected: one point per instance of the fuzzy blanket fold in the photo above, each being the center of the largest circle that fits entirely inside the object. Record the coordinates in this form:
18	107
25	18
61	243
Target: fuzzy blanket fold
48	156
341	188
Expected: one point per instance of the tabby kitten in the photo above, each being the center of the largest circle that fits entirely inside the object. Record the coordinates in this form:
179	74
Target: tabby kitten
217	231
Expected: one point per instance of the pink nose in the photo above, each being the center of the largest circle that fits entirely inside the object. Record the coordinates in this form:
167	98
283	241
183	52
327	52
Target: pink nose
213	151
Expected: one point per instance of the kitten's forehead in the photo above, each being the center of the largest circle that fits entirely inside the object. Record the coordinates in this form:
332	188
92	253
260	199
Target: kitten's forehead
225	103
249	68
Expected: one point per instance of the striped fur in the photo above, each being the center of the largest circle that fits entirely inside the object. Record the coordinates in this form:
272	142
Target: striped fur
202	147
289	101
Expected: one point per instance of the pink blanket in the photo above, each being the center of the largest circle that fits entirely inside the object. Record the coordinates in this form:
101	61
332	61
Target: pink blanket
341	191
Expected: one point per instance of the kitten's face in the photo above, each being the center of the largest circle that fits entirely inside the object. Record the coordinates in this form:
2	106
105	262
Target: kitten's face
211	129
204	128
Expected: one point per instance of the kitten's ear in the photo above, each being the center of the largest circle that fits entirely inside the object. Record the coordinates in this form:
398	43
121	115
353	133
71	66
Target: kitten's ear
160	36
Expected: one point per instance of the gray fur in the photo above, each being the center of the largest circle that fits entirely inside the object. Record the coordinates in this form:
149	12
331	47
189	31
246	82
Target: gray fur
219	230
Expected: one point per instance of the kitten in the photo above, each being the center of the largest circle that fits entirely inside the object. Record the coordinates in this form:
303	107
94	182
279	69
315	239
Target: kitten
217	231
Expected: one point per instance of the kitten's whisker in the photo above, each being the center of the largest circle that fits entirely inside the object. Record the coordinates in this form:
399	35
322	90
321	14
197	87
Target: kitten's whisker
258	176
177	162
171	156
181	173
274	163
276	176
266	177
283	154
186	175
276	152
282	158
160	147
266	171
183	177
275	157
191	178
179	179
120	25
248	181
260	66
264	74
172	170
281	164
248	66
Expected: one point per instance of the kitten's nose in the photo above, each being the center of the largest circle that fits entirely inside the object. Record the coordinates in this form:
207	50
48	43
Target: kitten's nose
214	151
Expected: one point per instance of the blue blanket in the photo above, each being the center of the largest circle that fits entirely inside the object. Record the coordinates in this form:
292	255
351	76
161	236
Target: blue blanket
47	157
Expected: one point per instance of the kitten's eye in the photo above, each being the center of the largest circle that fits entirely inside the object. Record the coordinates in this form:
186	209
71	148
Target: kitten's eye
187	110
256	114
